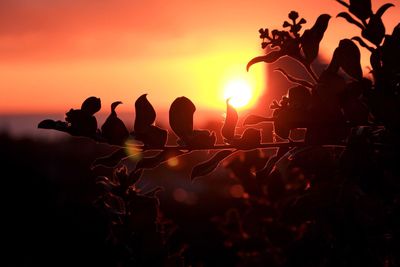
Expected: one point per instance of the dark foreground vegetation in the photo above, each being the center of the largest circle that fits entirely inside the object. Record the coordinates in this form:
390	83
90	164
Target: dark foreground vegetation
331	199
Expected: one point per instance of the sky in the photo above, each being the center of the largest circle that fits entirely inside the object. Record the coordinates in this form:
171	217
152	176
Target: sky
55	53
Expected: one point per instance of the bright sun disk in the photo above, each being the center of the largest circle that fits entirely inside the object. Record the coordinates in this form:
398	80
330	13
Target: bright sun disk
239	92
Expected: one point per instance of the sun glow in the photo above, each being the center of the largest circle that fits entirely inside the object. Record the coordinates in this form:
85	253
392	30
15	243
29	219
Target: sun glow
239	92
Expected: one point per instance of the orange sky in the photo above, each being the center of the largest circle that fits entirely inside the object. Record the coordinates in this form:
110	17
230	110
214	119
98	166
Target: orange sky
55	53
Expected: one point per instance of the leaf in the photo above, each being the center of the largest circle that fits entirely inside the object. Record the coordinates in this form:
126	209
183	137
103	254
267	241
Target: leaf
383	9
281	124
53	125
362	43
114	129
152	162
208	166
295	80
228	129
201	139
350	19
375	30
375	60
391	52
350	61
254	119
311	38
91	105
347	56
154	137
250	139
299	98
343	3
361	8
81	123
135	176
269	58
181	117
145	114
111	160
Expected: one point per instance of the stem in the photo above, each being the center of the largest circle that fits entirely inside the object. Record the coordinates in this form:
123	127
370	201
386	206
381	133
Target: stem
219	147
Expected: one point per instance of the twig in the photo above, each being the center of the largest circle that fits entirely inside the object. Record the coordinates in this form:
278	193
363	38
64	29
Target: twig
218	147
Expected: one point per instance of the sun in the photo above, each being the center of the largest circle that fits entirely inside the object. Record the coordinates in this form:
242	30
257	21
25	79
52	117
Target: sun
239	92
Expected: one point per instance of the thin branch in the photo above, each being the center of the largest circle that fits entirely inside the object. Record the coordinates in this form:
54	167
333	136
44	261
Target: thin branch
217	147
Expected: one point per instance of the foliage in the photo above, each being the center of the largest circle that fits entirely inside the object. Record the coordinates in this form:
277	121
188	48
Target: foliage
331	200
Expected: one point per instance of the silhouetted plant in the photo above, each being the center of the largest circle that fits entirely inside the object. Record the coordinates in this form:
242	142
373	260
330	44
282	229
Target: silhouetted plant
326	201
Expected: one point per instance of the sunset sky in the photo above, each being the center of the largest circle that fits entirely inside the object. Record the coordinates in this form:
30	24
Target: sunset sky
55	53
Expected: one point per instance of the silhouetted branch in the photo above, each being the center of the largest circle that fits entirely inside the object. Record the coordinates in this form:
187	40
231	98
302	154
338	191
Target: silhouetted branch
217	147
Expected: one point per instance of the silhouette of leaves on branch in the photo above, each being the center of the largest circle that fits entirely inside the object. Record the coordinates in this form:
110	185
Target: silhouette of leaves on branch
322	106
346	161
181	120
144	130
382	97
303	48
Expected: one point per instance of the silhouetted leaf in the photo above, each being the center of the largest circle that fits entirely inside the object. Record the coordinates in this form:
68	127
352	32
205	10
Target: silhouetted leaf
375	60
390	50
228	129
281	124
208	166
269	58
114	129
81	123
299	98
361	8
152	137
91	105
144	130
145	114
311	38
111	160
134	176
254	119
200	139
383	9
295	80
375	30
54	125
343	3
251	138
362	43
347	55
152	162
181	117
350	19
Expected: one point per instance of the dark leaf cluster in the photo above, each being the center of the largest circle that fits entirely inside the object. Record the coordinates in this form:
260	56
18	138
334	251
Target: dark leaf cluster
328	200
